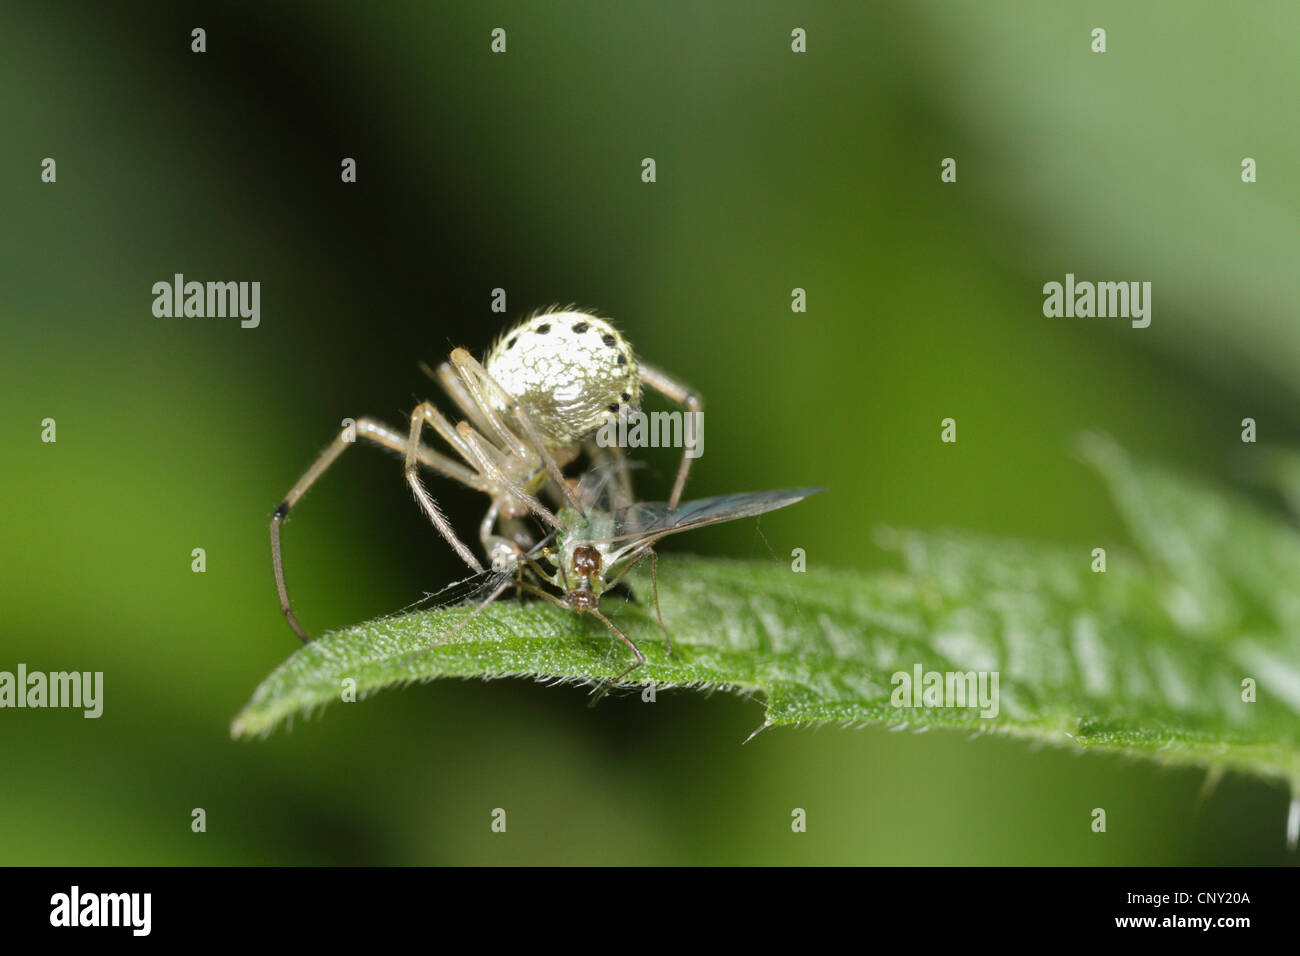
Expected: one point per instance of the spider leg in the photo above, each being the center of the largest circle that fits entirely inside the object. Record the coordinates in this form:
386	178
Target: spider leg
485	391
425	411
678	392
370	430
454	387
479	449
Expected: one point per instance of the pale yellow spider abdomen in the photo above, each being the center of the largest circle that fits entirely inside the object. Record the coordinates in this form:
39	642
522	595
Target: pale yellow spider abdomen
569	371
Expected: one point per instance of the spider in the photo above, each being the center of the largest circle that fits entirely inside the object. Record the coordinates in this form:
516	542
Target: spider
530	409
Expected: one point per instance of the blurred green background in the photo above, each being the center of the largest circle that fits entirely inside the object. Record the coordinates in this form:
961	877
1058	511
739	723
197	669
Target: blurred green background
522	171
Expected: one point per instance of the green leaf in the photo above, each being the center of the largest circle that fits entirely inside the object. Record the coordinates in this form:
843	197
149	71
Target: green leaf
1147	658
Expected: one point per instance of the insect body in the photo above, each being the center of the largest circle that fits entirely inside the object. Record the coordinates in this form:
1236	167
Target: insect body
546	387
594	550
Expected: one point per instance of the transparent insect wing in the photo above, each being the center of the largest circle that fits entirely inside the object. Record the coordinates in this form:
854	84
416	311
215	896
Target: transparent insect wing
600	488
645	523
467	590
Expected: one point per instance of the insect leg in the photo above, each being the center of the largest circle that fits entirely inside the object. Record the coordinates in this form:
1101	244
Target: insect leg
654	586
640	658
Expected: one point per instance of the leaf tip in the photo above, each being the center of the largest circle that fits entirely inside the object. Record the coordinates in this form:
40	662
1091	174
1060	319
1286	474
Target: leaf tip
757	730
